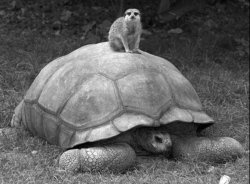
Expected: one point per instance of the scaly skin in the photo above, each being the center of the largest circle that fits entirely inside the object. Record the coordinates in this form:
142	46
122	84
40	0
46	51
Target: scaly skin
115	158
213	150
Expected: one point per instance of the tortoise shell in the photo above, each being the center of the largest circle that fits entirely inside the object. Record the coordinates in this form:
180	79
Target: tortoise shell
95	93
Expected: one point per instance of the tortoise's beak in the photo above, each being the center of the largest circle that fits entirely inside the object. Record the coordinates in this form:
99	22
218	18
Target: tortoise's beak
162	143
154	141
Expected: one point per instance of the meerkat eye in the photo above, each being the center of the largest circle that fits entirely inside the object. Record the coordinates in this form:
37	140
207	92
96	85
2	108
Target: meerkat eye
136	13
129	13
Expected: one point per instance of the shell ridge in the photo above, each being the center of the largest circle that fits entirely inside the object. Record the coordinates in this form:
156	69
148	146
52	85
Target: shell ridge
115	127
53	73
78	85
166	107
117	92
170	88
108	118
191	90
45	109
71	142
88	135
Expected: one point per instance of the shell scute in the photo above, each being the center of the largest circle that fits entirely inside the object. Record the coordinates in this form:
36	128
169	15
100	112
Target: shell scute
128	121
176	114
63	84
102	132
145	92
37	86
65	136
183	93
51	128
28	118
37	120
95	101
116	66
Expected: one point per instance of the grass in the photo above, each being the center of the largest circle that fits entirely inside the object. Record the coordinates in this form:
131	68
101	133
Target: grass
218	70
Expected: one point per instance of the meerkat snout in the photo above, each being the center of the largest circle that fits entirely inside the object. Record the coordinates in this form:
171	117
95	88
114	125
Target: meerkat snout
132	14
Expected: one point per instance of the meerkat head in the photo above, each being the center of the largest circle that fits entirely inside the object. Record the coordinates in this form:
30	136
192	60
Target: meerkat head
132	15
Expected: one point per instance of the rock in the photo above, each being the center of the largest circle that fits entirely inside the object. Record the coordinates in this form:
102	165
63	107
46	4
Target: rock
224	179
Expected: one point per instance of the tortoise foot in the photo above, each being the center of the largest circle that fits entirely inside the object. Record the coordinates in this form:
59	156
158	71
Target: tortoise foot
114	158
214	150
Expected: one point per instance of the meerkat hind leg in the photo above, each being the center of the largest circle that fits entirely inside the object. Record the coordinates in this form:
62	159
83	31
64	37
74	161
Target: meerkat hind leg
116	44
125	44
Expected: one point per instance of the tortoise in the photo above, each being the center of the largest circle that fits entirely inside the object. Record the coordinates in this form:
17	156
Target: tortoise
104	108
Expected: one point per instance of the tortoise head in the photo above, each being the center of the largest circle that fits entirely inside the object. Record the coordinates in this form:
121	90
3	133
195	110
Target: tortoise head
153	141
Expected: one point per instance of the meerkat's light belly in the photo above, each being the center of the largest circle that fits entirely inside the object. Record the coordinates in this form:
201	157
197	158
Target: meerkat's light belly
131	38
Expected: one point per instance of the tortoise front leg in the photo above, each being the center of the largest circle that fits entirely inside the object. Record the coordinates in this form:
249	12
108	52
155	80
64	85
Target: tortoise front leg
214	150
115	158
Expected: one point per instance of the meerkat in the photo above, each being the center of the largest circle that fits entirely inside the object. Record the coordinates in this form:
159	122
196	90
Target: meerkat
125	32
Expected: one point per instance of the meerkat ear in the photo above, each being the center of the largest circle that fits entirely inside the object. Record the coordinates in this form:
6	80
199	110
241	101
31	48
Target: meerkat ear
125	13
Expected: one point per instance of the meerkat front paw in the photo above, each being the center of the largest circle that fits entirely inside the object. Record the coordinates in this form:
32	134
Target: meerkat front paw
136	51
129	51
